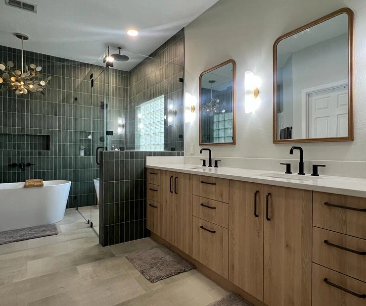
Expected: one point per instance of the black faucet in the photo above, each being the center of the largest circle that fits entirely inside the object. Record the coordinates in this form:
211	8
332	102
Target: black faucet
209	156
301	163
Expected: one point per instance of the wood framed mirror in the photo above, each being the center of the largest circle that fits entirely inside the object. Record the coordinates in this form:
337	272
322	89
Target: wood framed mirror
313	81
217	105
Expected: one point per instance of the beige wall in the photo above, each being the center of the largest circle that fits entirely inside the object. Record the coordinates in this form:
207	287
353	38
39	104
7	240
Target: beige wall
245	31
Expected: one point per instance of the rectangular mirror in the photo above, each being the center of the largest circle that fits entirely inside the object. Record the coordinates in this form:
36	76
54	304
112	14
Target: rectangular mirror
313	81
217	105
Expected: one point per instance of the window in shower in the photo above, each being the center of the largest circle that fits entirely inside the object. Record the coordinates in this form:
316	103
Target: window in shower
149	129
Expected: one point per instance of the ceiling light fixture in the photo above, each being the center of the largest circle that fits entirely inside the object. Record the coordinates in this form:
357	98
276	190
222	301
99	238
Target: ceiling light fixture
28	79
132	33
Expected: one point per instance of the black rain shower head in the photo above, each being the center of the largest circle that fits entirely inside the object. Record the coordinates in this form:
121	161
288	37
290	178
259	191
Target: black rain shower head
120	57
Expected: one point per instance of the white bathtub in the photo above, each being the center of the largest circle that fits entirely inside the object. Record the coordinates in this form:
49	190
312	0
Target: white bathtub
24	207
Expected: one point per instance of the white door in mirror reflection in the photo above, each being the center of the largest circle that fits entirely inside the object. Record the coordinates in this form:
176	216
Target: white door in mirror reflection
328	113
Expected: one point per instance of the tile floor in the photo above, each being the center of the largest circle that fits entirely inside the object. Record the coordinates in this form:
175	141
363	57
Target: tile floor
91	213
72	269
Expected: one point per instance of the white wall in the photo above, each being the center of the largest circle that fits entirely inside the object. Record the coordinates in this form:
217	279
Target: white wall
245	31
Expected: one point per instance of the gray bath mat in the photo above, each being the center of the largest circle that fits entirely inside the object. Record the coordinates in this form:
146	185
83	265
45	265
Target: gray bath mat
28	233
159	263
232	300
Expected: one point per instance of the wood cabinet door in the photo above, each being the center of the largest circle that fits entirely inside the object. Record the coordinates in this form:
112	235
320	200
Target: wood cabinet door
246	215
287	246
153	216
182	191
168	208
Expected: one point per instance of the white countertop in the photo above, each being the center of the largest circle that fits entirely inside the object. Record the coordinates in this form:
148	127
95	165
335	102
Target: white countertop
330	184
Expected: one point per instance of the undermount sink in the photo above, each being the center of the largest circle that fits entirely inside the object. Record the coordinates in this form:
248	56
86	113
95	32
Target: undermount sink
291	177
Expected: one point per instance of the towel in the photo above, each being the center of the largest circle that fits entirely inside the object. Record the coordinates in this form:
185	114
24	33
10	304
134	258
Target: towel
33	183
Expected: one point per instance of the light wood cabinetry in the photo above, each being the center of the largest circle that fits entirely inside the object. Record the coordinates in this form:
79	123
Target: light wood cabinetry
212	211
246	237
211	188
176	212
153	201
340	252
287	246
154	192
341	214
153	216
153	176
331	288
210	245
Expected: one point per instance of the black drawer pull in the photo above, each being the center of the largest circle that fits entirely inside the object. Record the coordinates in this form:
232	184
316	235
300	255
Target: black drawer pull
153	173
153	189
345	207
255	204
343	248
267	207
207	230
153	206
207	183
360	296
210	207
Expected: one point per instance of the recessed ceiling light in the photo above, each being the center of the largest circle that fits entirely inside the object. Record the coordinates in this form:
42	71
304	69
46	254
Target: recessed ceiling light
132	32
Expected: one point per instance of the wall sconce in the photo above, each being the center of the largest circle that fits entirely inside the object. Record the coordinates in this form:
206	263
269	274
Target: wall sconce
190	108
252	84
121	126
172	113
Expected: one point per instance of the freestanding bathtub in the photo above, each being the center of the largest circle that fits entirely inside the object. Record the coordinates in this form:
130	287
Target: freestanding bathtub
24	207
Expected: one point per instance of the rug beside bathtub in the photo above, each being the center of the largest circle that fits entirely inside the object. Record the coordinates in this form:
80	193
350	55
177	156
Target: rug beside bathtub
28	233
232	300
159	263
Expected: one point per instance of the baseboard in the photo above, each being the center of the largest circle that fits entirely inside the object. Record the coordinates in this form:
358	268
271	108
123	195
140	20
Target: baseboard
216	278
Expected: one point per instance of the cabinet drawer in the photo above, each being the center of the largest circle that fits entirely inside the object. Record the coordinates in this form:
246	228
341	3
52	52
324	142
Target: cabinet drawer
334	289
340	252
211	188
210	246
211	211
153	210
153	176
153	193
343	214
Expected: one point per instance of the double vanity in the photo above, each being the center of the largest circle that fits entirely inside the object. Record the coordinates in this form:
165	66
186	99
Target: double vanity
279	239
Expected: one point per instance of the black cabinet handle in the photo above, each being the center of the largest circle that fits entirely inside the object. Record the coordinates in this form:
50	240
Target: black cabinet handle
155	190
255	204
210	207
96	154
344	248
153	206
175	185
153	173
170	187
207	183
345	207
267	207
207	230
360	296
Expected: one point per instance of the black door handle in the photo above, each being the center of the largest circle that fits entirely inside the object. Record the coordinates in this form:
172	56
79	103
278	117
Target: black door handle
170	187
344	248
96	155
153	206
175	185
267	207
360	296
345	207
207	230
210	207
255	204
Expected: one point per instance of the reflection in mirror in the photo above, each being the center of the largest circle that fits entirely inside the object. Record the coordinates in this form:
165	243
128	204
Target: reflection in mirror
313	92
217	104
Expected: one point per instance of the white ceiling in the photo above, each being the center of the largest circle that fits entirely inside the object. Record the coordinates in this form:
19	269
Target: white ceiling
81	29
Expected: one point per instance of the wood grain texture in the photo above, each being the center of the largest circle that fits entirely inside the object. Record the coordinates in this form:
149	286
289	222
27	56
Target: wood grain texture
337	219
211	188
183	212
246	238
211	249
154	192
153	176
153	213
212	211
288	247
337	259
168	207
326	295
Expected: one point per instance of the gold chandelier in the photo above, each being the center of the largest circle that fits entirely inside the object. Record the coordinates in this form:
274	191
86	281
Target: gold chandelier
24	81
